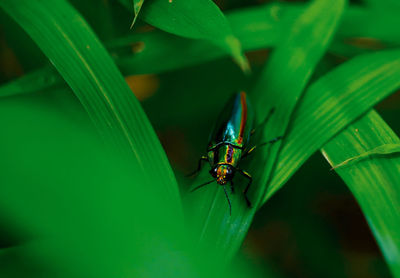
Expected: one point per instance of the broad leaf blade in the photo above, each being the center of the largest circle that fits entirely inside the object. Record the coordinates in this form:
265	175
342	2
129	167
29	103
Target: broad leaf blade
382	150
33	82
386	5
214	227
290	67
195	19
256	28
331	103
76	208
88	69
374	181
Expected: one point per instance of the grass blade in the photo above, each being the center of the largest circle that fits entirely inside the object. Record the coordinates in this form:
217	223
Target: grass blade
37	81
331	103
382	150
288	71
195	19
216	230
76	209
374	181
88	69
384	4
256	28
137	5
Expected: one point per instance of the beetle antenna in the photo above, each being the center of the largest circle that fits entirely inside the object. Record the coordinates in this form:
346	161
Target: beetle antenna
201	185
229	201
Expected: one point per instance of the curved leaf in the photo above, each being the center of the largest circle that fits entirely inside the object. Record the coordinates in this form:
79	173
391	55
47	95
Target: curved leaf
33	82
374	181
213	226
383	150
195	19
331	103
384	4
256	28
76	208
89	71
136	4
290	67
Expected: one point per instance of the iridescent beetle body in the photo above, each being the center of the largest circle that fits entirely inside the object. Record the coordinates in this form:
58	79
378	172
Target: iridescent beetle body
229	142
230	137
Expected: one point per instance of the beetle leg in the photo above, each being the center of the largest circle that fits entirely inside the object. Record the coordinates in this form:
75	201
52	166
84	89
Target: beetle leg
247	175
201	185
276	139
203	158
229	201
271	111
232	188
249	151
261	145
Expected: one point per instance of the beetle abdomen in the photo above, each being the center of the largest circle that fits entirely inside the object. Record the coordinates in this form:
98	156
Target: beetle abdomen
234	124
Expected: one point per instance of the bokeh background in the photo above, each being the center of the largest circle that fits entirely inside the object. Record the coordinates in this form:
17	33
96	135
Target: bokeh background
313	227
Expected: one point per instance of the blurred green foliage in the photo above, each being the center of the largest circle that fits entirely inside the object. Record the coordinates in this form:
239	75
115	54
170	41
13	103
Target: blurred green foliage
93	181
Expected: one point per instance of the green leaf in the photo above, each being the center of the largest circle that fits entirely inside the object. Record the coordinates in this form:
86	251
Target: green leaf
288	70
176	52
126	3
256	28
383	150
33	82
76	208
195	19
137	5
286	74
374	181
88	69
384	4
331	103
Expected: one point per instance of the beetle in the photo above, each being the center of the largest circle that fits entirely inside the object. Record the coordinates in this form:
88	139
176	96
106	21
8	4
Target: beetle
229	143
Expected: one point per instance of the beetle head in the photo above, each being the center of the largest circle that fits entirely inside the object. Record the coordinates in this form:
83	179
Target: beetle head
223	173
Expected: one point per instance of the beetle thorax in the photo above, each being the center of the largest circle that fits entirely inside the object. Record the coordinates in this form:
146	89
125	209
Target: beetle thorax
225	154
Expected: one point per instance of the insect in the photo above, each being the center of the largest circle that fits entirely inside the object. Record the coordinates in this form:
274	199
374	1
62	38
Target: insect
228	144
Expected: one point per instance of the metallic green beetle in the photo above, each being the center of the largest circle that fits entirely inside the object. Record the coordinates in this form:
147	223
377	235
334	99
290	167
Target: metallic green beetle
228	143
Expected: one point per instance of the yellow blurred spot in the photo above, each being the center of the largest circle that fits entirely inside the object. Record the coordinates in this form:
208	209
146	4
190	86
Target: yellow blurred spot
143	86
257	57
366	43
275	12
9	64
138	47
145	28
